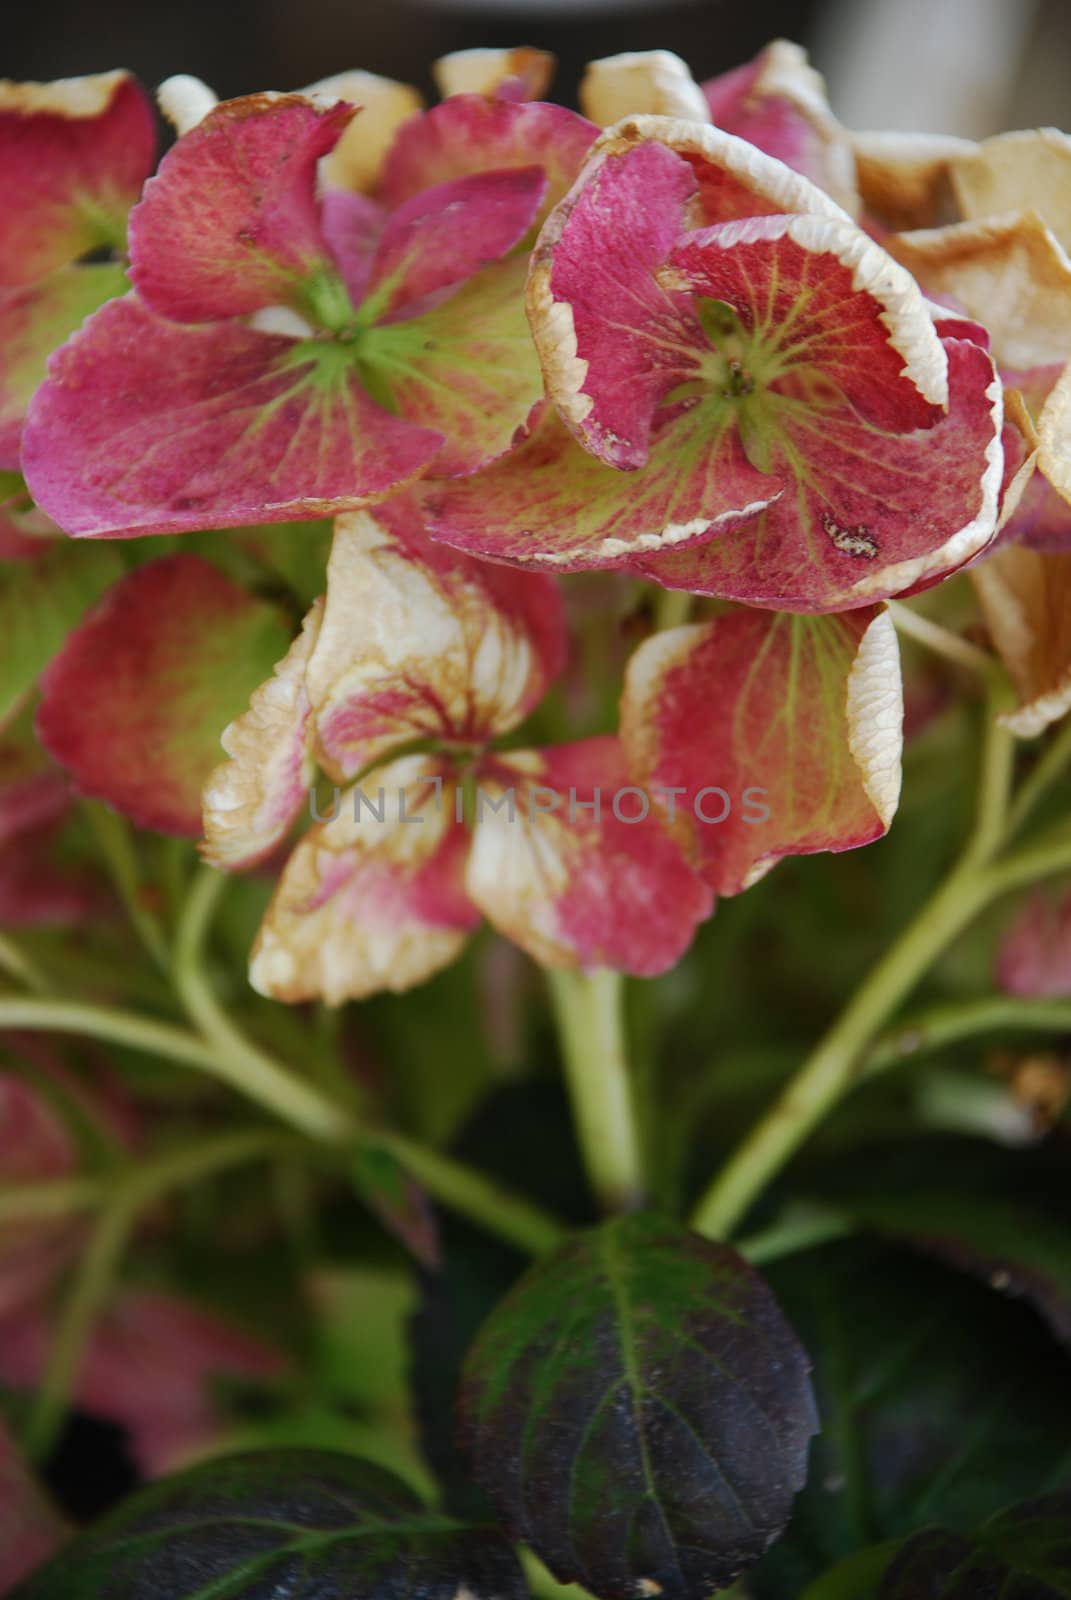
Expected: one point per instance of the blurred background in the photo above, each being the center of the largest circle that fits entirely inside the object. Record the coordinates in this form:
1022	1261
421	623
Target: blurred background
968	67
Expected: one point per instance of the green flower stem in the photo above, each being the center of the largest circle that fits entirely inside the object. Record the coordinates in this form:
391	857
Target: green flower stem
60	1197
941	641
18	965
672	608
112	835
128	1198
1050	766
837	1063
475	1196
1046	858
262	1080
296	1103
942	1025
588	1008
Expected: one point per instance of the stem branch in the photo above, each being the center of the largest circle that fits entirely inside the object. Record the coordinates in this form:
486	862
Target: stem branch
588	1008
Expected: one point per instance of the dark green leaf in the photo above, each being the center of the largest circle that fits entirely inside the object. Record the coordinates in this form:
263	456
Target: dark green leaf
940	1402
638	1410
286	1522
1023	1554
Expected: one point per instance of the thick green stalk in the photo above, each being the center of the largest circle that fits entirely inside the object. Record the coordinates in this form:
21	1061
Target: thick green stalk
589	1012
947	1024
837	1062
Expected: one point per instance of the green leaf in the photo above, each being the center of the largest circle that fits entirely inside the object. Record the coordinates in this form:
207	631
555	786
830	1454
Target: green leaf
638	1411
41	600
1023	1554
940	1402
279	1523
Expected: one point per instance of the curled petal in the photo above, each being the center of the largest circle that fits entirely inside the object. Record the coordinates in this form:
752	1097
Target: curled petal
134	704
904	177
778	102
1009	273
34	321
144	426
357	160
447	233
569	861
618	332
1014	170
613	343
251	800
230	223
550	504
74	154
1025	597
420	643
185	101
803	753
870	514
472	133
653	82
519	74
372	897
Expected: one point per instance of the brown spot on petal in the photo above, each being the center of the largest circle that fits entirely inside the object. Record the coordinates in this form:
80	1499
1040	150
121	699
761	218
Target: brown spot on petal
850	541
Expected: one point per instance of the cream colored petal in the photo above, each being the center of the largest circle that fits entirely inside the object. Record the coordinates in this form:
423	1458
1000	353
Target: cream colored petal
1025	596
419	642
876	715
1028	168
77	98
787	74
654	82
185	101
484	71
1009	273
1054	435
371	899
251	800
904	177
357	160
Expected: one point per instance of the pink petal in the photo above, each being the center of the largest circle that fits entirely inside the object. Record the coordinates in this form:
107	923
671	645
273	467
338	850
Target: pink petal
1034	959
778	102
471	133
548	503
34	321
39	891
352	224
136	701
826	309
231	223
418	642
573	888
31	1529
466	369
372	898
803	754
870	514
74	155
443	235
147	427
613	343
